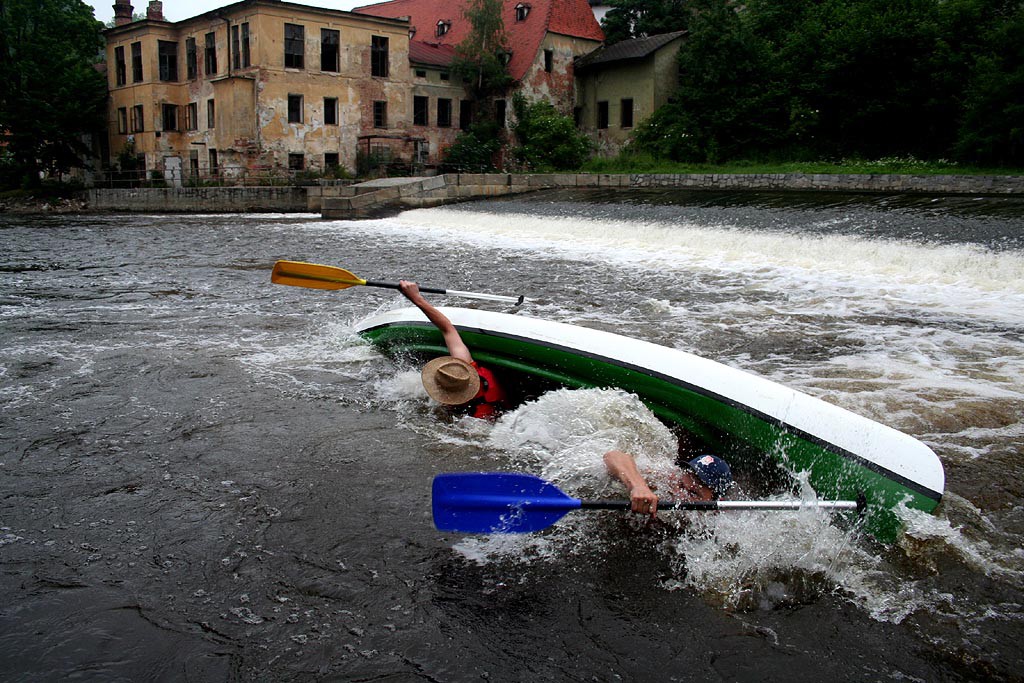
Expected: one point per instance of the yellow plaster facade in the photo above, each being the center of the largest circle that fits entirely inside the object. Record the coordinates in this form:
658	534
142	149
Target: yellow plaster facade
214	93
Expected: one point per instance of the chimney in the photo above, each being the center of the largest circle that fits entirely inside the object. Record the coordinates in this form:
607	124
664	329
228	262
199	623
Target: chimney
155	11
122	12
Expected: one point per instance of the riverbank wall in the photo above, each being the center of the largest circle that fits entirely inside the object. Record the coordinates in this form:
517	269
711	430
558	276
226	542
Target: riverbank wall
389	194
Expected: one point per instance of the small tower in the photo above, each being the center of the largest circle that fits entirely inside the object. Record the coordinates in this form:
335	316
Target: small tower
122	12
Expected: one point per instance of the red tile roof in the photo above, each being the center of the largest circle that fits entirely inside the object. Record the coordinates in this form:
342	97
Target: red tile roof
572	18
431	54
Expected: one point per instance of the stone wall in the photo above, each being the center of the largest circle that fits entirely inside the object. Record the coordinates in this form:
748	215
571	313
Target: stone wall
285	199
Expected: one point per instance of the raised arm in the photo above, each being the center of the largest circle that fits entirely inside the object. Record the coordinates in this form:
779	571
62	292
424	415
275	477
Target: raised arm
623	467
456	347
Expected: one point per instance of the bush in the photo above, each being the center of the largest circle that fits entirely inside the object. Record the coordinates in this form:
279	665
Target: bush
475	149
548	141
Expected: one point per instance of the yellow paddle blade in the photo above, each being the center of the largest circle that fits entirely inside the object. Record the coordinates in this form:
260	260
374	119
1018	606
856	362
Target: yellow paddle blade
313	276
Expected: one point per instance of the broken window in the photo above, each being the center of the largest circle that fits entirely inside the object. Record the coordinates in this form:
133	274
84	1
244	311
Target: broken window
236	48
330	43
167	58
169	115
296	162
331	160
122	120
192	116
294	46
136	62
444	113
602	114
549	60
380	114
211	113
246	54
465	114
121	67
211	54
330	111
295	109
626	114
420	111
214	163
138	121
379	56
191	63
522	10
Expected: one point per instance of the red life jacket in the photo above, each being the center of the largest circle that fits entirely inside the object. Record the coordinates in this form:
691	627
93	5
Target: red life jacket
491	399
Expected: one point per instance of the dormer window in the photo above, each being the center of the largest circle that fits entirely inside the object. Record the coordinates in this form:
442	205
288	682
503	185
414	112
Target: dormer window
505	58
522	9
412	32
443	27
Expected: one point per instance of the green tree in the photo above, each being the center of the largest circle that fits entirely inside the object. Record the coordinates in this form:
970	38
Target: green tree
548	141
641	18
475	150
50	91
481	57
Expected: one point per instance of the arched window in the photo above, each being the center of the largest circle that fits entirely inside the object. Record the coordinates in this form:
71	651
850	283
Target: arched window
522	9
443	27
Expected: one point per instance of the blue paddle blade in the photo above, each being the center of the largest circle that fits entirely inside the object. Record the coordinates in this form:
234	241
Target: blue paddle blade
497	503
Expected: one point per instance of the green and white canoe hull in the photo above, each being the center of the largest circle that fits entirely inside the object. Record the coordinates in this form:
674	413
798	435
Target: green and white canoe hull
729	409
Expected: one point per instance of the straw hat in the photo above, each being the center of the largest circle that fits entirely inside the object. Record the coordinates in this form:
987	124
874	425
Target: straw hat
450	380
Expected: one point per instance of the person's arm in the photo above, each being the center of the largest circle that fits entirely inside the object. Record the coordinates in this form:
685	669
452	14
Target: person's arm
456	347
623	467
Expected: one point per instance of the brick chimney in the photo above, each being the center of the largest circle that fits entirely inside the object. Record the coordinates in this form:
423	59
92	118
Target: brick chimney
122	12
155	11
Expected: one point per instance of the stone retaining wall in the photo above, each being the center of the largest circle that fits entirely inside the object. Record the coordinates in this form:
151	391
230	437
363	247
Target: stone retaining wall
286	199
356	201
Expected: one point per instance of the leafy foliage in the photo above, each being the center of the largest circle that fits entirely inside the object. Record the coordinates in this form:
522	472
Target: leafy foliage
548	141
50	92
479	58
475	149
833	78
641	18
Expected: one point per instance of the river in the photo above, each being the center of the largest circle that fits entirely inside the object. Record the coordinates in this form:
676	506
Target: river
204	476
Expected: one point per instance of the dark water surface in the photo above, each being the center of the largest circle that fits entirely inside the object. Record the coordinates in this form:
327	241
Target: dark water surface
207	477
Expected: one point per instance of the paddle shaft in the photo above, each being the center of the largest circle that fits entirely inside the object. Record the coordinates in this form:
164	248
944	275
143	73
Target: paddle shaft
450	292
726	505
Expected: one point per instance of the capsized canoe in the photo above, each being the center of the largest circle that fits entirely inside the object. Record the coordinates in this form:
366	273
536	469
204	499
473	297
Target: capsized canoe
730	410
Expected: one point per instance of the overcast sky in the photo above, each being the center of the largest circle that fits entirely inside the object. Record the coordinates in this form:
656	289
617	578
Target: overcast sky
176	10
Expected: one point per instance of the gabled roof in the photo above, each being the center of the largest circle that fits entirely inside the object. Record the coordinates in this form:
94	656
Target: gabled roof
572	18
637	48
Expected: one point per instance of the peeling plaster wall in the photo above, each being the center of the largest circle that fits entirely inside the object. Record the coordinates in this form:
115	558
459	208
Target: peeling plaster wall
556	87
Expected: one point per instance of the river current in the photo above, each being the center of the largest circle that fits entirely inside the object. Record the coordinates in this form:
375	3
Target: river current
204	476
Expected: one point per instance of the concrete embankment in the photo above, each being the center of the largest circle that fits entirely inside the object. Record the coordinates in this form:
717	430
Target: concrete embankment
391	194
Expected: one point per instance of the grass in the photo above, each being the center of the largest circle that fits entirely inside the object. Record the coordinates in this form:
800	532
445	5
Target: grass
894	165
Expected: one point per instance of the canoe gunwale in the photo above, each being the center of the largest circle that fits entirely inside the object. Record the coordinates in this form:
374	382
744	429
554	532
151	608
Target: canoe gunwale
771	420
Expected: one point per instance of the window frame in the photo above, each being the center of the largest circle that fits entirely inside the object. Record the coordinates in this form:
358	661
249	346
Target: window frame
210	54
192	116
602	115
296	105
522	10
191	59
549	60
420	110
167	68
138	119
380	114
120	67
380	57
444	112
122	120
296	161
138	75
330	37
331	107
294	46
169	124
211	113
624	120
